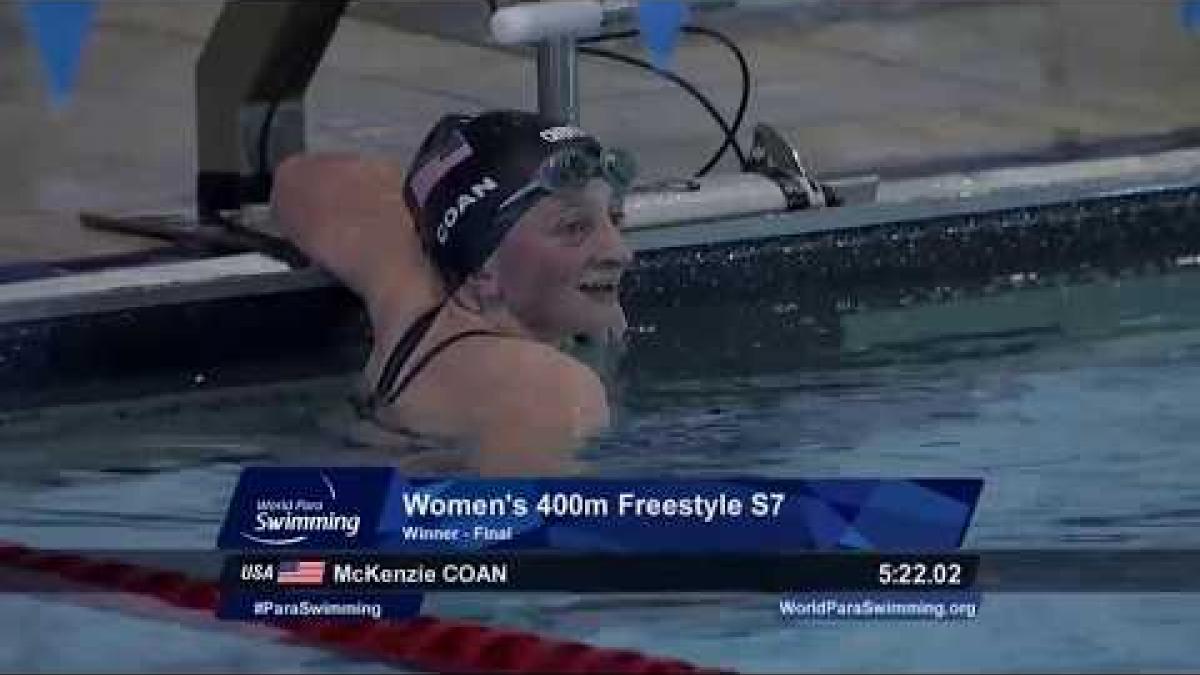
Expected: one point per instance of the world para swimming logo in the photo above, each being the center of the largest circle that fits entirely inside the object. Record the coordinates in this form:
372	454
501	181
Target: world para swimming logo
309	511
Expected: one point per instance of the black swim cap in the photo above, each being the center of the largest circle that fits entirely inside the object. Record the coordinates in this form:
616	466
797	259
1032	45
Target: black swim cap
466	168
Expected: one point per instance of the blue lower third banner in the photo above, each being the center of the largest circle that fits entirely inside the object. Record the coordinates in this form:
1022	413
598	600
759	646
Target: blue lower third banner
377	509
285	607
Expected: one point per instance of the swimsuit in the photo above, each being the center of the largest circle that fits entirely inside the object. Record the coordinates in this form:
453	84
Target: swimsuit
388	389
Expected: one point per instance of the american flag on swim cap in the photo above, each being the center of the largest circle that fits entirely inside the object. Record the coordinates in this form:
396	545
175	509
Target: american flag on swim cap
466	167
454	152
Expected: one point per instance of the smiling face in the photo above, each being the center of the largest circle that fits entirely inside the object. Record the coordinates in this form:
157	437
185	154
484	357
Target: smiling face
559	269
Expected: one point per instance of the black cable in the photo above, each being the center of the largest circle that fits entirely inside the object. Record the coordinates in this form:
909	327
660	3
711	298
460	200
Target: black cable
264	137
687	86
743	103
605	37
730	131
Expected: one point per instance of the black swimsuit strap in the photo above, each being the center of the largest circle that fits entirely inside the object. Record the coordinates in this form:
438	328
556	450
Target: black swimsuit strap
387	389
405	346
394	392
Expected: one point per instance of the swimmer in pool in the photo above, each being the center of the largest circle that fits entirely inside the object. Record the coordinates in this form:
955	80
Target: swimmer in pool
501	246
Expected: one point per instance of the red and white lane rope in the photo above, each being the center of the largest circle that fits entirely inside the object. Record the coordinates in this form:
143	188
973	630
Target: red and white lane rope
424	642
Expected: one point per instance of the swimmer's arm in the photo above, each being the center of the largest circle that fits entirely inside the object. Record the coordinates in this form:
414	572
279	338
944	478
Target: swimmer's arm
537	428
347	213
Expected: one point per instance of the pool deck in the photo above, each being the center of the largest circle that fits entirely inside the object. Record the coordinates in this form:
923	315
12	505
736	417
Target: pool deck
900	88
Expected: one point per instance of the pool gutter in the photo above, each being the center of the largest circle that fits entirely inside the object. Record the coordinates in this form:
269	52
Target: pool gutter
954	194
208	313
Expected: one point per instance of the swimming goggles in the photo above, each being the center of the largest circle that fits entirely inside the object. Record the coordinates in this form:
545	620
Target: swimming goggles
573	167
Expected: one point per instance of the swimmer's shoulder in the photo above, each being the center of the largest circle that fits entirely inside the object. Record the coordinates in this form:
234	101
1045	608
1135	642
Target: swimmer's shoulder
526	404
526	377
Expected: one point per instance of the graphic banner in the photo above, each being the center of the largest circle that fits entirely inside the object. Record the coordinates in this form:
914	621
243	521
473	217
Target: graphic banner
377	509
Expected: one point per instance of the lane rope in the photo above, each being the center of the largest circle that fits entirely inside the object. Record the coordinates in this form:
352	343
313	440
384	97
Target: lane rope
423	642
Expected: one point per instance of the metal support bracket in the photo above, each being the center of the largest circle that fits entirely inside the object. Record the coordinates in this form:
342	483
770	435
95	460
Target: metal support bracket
772	156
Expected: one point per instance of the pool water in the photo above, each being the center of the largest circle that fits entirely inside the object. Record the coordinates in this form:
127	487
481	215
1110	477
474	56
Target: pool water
1085	434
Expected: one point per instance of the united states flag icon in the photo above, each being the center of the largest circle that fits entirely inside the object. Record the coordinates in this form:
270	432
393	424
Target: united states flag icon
301	573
